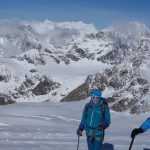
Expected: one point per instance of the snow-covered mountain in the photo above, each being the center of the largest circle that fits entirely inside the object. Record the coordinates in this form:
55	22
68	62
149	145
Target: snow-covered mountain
42	61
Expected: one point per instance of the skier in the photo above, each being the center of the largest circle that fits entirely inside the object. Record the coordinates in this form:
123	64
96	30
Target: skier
95	119
144	127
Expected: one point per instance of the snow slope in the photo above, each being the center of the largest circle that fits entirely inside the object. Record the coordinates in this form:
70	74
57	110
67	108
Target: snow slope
52	126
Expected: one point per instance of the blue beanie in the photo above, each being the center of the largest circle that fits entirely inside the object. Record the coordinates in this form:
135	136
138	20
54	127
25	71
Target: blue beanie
96	92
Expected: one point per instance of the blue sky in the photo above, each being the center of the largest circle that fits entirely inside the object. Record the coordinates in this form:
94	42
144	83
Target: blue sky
101	13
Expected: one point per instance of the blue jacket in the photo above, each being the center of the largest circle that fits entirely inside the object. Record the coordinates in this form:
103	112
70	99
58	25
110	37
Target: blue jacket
95	115
146	125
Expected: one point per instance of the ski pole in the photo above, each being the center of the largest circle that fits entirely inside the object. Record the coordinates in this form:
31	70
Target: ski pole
78	142
131	143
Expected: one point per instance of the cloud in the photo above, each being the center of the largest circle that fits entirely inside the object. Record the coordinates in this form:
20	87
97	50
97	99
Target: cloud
63	32
46	32
10	27
130	32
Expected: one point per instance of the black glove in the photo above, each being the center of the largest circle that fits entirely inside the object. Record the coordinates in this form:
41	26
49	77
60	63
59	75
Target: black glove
80	129
79	132
136	131
104	124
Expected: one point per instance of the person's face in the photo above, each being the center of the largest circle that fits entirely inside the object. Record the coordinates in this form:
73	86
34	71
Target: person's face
95	99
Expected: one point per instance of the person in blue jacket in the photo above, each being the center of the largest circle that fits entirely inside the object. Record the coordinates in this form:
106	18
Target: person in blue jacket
95	119
144	127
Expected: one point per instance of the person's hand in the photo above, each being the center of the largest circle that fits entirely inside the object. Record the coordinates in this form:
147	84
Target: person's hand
103	124
79	132
136	131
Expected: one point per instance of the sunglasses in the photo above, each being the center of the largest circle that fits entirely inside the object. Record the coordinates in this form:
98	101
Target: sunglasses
95	97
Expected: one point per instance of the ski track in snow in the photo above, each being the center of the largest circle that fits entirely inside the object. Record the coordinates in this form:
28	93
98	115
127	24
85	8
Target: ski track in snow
52	126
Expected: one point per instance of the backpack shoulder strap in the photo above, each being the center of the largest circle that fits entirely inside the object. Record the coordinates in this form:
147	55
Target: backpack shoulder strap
104	101
103	104
87	106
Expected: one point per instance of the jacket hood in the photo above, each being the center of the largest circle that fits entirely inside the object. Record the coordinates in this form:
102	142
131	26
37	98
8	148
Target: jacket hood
96	93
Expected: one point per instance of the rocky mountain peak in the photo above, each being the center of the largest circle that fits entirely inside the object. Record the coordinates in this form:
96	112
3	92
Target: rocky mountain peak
46	60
